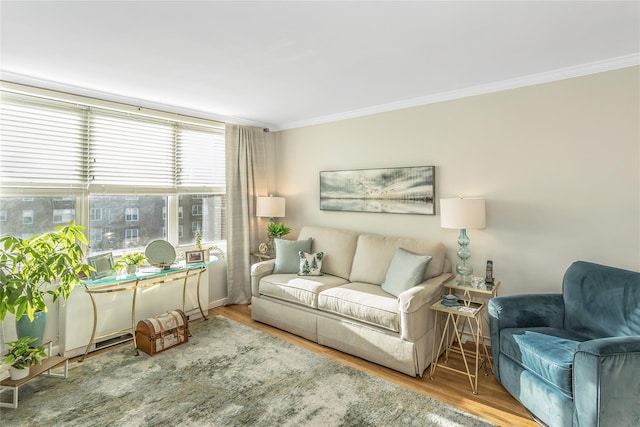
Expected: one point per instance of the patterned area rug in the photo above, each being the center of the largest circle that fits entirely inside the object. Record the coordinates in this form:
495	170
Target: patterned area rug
228	374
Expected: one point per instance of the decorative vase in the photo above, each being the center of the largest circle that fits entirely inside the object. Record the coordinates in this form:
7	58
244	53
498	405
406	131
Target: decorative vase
35	329
18	374
131	269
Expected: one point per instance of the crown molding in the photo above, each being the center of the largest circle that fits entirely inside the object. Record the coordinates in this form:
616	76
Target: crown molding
530	80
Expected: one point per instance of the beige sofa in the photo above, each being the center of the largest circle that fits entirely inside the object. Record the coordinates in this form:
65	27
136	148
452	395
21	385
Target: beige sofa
346	308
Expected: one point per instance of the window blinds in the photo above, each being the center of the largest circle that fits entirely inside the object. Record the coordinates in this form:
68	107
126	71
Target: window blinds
200	159
43	143
49	143
127	151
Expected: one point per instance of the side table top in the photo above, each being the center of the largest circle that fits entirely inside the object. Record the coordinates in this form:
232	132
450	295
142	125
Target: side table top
466	308
482	289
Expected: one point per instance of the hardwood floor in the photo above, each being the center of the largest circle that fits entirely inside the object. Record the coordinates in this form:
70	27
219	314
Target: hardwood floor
492	402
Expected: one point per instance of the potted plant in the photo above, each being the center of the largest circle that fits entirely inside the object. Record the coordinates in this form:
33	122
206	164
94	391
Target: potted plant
275	230
47	263
207	251
130	262
22	356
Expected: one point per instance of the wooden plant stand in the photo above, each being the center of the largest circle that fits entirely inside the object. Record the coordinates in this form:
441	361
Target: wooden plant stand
43	369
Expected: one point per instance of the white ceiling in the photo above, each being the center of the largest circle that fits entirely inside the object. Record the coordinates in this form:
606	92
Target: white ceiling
288	64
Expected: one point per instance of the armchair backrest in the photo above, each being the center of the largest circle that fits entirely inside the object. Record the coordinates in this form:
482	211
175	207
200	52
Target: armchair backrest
601	301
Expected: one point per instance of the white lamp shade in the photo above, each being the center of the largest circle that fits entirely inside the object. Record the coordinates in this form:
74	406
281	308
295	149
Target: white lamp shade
462	213
270	207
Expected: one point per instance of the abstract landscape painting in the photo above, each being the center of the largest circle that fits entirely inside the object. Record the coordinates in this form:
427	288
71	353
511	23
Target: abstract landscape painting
408	190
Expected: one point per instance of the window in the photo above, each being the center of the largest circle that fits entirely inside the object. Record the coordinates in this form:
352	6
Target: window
63	216
131	237
21	215
131	214
119	234
27	216
96	235
96	214
130	170
3	215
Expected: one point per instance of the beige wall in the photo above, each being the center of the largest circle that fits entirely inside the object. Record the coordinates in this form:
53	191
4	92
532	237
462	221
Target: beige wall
558	164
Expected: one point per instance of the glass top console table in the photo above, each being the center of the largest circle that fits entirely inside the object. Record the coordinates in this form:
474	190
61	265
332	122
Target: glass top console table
145	277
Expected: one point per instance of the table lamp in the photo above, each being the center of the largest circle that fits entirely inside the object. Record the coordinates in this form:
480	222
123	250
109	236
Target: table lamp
270	207
462	214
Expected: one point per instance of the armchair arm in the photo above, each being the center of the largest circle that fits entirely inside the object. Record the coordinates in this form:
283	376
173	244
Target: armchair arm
521	311
258	271
524	311
606	381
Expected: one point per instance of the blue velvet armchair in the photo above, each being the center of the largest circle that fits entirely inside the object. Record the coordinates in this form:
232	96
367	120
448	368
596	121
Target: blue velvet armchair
573	359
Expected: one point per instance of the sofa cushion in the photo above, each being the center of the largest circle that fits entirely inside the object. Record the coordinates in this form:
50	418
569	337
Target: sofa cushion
405	271
287	258
290	287
364	302
374	254
338	247
310	264
547	352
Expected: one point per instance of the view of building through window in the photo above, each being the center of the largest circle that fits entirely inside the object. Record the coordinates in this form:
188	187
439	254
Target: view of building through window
118	223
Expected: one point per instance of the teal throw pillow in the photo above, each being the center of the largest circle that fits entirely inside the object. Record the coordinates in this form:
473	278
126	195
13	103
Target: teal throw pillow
310	264
405	271
287	259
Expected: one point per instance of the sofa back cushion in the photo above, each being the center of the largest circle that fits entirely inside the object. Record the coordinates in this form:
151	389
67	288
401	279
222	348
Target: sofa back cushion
601	301
375	252
338	246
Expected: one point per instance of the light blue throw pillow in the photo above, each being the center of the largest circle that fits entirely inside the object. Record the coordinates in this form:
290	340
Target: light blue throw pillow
287	258
405	271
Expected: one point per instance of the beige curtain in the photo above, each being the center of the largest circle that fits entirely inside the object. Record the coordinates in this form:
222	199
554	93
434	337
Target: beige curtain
246	177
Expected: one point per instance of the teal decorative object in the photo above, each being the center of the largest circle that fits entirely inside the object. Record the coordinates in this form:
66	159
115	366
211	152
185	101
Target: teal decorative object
35	328
463	214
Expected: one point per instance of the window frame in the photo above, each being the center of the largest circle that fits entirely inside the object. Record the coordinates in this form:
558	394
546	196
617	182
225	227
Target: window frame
84	213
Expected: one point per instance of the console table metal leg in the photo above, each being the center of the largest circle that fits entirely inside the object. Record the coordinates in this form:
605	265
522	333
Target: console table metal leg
93	331
198	294
133	320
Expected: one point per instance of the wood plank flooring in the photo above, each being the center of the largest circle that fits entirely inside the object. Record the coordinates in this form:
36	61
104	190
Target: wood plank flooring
492	402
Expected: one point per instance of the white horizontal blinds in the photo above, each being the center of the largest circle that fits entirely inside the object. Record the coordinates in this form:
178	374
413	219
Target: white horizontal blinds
200	159
131	151
42	143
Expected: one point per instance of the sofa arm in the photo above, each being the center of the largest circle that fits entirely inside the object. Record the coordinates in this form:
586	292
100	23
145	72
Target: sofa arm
413	304
258	271
606	381
412	299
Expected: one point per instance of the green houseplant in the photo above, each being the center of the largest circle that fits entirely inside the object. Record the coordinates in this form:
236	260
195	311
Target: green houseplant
275	230
47	263
22	356
130	261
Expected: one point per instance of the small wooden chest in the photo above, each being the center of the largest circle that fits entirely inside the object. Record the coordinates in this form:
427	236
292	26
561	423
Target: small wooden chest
162	332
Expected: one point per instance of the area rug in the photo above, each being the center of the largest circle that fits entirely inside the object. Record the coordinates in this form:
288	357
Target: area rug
228	374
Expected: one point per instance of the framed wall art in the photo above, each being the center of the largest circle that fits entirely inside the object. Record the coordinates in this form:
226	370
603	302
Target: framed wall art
194	257
408	190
